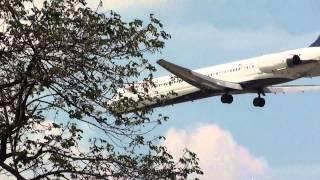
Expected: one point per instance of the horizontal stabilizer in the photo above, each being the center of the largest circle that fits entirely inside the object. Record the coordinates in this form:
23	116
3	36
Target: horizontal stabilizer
291	89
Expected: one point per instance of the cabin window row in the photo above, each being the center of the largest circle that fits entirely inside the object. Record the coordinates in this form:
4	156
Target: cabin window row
170	82
232	70
175	81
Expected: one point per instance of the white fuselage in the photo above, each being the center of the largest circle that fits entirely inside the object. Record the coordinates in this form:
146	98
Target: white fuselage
267	70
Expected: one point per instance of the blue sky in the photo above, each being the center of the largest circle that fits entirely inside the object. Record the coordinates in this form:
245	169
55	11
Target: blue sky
285	134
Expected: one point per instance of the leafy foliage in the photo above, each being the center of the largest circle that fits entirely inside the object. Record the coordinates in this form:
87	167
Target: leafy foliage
65	60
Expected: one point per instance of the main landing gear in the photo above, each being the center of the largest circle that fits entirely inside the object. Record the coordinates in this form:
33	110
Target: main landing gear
259	101
227	98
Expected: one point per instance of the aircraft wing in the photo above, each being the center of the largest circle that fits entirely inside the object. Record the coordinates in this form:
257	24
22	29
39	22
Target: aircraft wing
198	80
291	89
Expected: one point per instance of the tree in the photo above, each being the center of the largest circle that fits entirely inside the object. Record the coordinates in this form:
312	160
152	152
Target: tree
60	65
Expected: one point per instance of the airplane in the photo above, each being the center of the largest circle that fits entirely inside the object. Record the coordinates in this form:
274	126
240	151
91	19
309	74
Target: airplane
259	75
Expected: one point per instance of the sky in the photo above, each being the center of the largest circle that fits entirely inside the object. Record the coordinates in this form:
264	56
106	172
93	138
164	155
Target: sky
280	141
237	142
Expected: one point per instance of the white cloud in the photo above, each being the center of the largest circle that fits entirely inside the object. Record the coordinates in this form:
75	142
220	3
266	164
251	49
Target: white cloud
123	4
220	156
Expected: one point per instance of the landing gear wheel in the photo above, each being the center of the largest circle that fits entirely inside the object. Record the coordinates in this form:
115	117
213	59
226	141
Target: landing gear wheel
227	98
259	102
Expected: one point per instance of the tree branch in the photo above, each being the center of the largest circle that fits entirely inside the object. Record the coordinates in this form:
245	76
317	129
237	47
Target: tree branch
12	171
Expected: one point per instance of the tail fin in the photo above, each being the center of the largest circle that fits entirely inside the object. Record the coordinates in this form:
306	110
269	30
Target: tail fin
316	43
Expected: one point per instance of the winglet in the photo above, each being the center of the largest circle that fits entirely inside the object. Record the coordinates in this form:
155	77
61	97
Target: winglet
316	43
